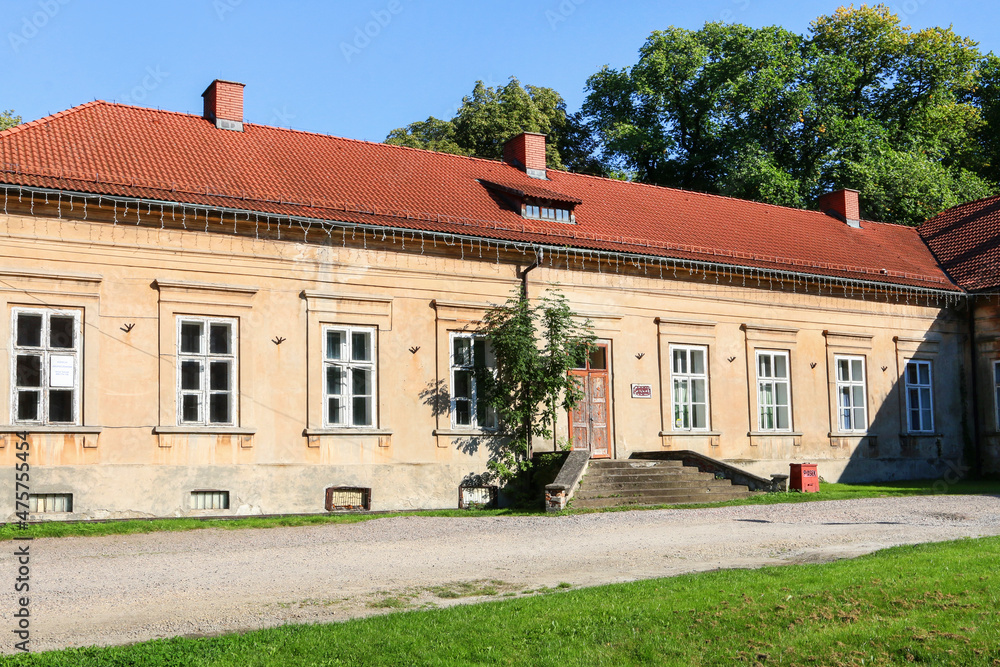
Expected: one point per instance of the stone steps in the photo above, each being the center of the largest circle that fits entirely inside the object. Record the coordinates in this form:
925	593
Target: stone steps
632	482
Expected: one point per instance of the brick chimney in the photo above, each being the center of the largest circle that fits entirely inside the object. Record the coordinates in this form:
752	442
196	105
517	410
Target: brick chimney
224	104
842	204
526	151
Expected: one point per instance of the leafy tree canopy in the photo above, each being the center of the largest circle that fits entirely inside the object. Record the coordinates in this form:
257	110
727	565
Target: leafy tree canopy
906	117
534	346
492	115
8	119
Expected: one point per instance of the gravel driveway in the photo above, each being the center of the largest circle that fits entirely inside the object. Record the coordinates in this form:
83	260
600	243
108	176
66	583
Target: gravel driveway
120	589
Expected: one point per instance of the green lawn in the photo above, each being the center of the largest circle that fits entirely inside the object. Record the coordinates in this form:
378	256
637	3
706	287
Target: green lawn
827	492
933	604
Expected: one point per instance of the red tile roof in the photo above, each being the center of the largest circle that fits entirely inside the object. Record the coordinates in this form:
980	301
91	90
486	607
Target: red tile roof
966	241
121	150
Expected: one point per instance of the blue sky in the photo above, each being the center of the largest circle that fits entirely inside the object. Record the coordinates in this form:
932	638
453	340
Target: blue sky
310	65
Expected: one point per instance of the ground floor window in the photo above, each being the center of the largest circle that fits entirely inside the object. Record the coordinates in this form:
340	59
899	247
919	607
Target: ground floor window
349	376
45	358
469	353
852	412
206	371
919	399
774	404
689	387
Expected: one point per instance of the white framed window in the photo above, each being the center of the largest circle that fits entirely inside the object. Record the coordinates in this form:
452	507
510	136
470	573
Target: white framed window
689	387
919	397
774	396
469	352
996	392
45	366
852	401
206	371
349	376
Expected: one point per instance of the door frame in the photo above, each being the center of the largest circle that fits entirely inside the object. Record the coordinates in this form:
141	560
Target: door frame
609	397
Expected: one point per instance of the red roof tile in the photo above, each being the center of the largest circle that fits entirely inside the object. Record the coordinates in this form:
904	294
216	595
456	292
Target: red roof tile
114	149
966	241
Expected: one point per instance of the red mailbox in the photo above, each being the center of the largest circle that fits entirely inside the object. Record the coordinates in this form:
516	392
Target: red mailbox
804	478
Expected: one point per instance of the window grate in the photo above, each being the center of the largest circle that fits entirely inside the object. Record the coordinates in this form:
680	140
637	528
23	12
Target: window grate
354	498
209	500
477	497
50	502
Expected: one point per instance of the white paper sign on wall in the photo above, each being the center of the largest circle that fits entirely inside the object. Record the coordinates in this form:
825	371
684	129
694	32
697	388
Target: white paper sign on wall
642	391
62	371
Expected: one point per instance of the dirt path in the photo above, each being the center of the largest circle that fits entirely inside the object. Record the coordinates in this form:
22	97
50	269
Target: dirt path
113	590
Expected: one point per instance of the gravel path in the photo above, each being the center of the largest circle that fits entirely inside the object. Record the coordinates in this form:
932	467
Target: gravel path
120	589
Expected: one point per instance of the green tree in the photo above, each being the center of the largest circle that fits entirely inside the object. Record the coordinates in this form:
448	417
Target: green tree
8	119
770	115
492	115
534	346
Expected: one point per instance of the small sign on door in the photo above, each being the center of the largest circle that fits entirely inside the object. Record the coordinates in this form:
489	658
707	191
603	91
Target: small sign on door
61	371
642	391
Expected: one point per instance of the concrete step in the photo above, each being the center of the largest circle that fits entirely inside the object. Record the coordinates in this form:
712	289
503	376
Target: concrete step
590	485
600	464
661	491
665	499
685	474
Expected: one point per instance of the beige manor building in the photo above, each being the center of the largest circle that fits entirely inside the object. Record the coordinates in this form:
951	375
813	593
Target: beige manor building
204	316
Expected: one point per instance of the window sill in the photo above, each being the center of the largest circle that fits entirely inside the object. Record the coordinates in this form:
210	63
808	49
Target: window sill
689	433
310	432
35	428
921	434
203	430
849	434
466	431
770	434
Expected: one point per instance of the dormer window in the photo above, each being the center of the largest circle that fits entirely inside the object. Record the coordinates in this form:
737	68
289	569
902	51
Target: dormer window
547	211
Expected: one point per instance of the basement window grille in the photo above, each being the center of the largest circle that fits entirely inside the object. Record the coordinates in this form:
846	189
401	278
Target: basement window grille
348	498
209	500
470	497
50	502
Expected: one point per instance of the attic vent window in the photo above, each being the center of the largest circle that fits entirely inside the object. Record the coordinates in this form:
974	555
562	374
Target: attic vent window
540	211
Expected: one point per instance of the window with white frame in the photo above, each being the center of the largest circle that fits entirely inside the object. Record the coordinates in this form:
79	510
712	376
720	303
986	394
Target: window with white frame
689	379
206	371
996	392
852	411
45	359
774	403
919	401
349	376
469	353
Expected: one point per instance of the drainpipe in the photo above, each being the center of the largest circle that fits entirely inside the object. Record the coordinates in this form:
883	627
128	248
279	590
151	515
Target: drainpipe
524	291
534	265
975	384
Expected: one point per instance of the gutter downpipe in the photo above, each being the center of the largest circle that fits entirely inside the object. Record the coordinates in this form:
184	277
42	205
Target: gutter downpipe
975	384
539	255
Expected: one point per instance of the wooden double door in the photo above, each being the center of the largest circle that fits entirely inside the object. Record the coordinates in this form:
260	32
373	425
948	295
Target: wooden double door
588	420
